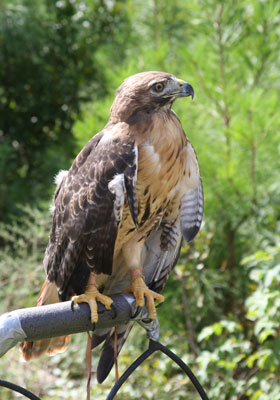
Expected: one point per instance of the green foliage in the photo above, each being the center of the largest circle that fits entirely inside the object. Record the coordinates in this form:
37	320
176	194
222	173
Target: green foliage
21	258
246	356
47	70
224	292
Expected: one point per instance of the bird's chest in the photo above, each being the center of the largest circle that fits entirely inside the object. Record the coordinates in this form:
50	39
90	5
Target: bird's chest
158	175
161	166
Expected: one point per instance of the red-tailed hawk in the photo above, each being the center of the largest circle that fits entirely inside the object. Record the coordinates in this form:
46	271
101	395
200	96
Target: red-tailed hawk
122	209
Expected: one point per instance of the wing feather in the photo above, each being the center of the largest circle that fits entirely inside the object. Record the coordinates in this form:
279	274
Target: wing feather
192	200
159	261
192	212
88	207
130	185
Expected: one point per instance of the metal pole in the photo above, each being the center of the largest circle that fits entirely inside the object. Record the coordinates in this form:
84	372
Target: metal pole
58	319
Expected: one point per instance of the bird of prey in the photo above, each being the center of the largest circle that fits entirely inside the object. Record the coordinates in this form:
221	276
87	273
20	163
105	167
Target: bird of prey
121	210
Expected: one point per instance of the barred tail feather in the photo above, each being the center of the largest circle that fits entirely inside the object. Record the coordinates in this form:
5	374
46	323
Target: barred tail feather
192	212
29	350
106	360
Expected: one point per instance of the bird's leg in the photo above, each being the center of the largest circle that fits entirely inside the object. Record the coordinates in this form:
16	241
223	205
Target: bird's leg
132	255
91	296
141	292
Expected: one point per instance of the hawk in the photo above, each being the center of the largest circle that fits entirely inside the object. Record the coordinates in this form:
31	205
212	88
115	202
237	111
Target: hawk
121	210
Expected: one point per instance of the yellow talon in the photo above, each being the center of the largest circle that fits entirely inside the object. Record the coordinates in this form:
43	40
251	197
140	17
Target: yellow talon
141	292
91	296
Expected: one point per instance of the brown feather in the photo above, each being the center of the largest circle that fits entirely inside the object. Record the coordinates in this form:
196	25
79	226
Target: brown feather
29	350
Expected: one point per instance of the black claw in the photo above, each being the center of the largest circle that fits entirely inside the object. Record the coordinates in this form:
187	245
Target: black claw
137	312
147	320
72	305
93	326
114	309
159	305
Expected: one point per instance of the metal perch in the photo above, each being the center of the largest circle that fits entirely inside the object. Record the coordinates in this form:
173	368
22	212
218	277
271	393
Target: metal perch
58	319
53	320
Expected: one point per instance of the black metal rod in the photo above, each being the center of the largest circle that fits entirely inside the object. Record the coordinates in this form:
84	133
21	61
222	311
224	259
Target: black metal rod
129	371
18	389
184	367
154	346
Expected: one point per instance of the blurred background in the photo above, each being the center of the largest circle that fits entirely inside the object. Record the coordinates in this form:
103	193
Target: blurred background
60	65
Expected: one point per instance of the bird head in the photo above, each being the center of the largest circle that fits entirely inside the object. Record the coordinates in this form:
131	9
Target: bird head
148	92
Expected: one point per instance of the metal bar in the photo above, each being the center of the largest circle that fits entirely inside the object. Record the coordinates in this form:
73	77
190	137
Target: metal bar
155	346
185	367
129	371
18	389
58	319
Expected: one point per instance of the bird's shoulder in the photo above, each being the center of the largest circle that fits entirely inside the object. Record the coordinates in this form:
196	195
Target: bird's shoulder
101	154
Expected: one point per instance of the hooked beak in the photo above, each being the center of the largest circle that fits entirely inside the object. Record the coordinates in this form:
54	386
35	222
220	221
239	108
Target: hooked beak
185	89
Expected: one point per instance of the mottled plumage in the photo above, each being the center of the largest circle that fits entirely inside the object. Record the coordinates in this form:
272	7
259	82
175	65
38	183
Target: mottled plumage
128	199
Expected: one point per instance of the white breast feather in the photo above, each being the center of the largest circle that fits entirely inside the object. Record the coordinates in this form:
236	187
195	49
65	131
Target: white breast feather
116	186
59	177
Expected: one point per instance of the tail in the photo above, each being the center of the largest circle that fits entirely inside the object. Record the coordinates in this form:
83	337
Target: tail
29	350
106	360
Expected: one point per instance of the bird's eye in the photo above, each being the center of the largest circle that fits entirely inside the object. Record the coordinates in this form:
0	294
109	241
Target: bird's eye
158	87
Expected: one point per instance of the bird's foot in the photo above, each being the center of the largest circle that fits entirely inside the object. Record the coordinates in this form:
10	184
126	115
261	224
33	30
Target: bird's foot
141	292
91	296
